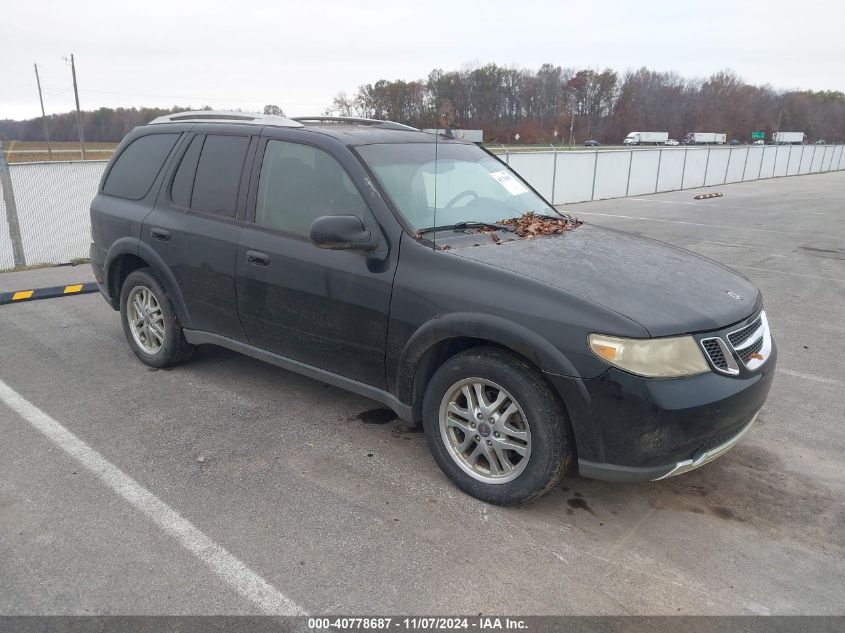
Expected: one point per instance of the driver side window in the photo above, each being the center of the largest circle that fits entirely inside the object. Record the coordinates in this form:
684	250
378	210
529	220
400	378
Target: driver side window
298	184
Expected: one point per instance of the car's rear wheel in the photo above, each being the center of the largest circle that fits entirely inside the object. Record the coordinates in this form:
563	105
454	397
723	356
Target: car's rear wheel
150	322
495	427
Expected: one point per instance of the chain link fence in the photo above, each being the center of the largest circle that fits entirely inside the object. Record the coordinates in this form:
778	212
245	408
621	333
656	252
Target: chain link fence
51	203
44	209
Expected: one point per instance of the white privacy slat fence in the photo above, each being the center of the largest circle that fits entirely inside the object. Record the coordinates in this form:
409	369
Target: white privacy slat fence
52	199
565	177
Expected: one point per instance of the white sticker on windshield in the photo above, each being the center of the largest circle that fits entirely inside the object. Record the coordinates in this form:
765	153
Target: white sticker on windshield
506	179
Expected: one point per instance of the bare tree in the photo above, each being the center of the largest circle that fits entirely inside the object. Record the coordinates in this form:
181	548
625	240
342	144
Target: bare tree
273	109
342	105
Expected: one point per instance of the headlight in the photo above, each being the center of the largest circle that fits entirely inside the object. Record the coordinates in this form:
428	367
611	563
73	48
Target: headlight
655	358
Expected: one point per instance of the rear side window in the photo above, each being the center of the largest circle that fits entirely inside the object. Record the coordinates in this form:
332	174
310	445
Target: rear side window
135	170
183	181
299	183
219	174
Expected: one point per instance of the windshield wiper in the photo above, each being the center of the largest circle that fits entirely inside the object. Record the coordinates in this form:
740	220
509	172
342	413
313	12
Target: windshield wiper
467	225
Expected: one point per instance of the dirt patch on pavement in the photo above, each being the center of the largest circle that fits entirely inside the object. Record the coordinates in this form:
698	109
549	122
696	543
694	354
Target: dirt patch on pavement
752	485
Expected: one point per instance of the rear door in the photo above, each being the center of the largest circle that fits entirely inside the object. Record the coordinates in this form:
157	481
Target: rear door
328	309
196	225
130	188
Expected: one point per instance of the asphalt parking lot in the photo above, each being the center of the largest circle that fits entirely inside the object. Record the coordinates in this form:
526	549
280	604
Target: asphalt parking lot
340	508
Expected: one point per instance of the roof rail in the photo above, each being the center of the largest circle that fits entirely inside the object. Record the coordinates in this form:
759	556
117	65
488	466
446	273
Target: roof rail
387	125
223	116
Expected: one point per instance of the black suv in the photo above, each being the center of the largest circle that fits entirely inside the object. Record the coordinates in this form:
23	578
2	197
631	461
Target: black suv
389	262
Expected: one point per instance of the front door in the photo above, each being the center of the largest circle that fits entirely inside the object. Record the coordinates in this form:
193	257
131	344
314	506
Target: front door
325	308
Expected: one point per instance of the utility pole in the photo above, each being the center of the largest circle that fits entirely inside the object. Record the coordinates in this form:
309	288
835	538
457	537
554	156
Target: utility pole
11	211
43	115
780	114
78	113
571	120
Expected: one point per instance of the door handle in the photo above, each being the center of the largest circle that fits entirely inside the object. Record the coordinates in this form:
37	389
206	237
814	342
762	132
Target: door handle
162	235
257	258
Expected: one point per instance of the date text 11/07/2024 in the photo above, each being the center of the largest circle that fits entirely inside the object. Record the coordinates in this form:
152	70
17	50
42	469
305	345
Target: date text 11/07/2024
481	623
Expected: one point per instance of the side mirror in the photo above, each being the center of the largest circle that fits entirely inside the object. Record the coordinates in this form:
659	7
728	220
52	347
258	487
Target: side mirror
342	232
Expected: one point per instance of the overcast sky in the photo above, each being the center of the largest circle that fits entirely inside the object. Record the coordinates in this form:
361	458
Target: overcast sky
300	54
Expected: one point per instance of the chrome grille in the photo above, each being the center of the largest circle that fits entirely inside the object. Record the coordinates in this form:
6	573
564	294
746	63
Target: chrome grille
753	348
748	352
714	351
751	344
740	336
720	355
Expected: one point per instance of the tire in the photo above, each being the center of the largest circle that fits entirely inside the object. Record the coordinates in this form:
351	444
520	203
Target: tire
538	427
150	345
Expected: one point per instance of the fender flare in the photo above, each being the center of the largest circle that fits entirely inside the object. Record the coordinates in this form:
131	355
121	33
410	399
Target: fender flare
134	246
479	326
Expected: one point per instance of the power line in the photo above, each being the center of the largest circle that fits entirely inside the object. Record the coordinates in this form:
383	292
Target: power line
186	98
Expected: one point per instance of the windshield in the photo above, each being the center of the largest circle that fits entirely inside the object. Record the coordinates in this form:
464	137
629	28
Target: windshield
472	186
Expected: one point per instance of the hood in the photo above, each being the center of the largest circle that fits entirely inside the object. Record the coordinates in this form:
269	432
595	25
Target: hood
665	289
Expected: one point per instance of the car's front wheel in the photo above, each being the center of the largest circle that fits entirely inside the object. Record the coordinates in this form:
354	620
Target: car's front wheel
495	427
150	322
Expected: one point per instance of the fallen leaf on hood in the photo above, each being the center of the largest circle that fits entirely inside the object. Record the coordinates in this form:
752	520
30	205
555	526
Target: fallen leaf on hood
491	231
532	225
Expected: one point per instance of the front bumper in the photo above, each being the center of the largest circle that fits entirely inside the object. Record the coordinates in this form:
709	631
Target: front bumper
630	428
707	455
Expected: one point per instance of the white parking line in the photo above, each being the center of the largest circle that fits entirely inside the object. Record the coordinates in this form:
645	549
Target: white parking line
709	226
781	272
238	576
724	244
742	246
694	204
813	377
720	205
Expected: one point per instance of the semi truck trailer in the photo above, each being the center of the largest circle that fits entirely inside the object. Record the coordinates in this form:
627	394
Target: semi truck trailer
793	138
705	138
646	138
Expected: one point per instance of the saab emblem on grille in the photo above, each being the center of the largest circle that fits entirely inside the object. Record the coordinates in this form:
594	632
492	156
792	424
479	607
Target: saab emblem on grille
734	295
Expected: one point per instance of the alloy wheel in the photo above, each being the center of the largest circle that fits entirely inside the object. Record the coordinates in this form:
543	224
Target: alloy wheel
145	318
485	431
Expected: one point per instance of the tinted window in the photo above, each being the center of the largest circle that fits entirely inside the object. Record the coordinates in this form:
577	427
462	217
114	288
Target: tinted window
298	184
183	181
219	174
136	168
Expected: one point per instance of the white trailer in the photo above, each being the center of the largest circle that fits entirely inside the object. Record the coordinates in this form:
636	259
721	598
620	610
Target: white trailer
795	138
705	138
646	138
708	138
